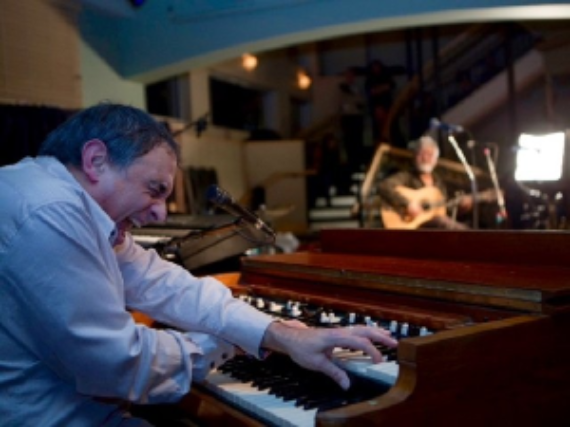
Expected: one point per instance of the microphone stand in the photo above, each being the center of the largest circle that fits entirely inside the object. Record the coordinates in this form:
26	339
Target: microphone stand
470	175
233	227
200	248
502	214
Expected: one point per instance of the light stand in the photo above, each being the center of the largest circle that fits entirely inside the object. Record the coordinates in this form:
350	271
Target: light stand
502	214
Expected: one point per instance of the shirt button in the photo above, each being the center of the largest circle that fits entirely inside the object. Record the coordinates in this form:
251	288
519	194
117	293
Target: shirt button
224	356
212	365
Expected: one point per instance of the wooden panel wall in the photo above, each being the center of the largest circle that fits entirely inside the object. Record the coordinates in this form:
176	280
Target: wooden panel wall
39	53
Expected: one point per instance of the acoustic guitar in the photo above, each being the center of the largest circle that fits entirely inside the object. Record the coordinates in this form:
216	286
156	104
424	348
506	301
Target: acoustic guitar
432	203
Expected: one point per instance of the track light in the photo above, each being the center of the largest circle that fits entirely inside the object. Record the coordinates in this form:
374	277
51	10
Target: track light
137	3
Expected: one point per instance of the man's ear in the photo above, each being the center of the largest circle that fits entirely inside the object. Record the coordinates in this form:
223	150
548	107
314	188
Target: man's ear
94	159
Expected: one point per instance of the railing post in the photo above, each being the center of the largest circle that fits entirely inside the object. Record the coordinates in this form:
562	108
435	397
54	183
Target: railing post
512	106
436	70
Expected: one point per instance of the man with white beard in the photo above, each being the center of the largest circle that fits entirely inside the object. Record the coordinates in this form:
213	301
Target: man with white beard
417	198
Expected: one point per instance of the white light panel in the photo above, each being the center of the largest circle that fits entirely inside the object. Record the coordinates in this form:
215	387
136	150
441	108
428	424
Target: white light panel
540	158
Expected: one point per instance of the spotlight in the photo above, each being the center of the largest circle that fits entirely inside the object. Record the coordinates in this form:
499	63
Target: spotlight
248	61
540	157
303	80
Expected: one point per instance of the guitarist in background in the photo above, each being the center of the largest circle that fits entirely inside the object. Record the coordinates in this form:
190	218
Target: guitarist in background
417	198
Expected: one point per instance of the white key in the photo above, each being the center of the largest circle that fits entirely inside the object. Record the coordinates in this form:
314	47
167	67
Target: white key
361	364
387	372
353	361
265	405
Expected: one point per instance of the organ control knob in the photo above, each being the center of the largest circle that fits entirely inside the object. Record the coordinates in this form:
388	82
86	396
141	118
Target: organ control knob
333	318
295	311
393	326
260	303
404	329
324	318
424	331
351	318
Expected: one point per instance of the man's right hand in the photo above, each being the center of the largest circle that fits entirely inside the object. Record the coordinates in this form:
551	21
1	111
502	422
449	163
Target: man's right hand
414	209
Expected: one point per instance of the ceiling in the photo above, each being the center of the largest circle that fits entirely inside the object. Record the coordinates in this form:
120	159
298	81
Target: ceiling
161	38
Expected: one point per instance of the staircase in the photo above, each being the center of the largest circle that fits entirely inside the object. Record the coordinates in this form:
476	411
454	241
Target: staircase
532	57
450	86
338	210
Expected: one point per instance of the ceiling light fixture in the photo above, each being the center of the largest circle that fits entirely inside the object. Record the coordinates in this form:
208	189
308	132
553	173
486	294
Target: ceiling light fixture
248	61
303	80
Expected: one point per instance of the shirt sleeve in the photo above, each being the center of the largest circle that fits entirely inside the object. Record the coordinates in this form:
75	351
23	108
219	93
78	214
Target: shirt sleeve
67	301
388	193
170	294
215	352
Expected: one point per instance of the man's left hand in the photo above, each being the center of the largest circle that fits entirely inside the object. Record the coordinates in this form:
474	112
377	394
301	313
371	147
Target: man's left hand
312	347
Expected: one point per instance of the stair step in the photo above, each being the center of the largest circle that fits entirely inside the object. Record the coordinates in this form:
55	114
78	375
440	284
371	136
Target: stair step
329	214
336	201
358	176
334	224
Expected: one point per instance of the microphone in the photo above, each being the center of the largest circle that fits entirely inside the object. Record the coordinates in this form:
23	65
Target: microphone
445	127
222	199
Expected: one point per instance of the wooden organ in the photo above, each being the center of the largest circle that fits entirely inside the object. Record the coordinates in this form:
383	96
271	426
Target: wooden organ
497	304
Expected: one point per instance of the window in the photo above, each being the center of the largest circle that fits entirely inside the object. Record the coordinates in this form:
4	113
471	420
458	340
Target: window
236	106
168	97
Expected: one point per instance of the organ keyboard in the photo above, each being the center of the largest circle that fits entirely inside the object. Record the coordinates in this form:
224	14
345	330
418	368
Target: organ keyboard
482	320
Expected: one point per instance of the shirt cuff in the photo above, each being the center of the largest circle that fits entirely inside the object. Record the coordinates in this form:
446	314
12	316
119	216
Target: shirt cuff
214	353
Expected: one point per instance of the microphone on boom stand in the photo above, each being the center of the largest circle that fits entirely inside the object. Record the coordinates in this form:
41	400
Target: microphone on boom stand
223	200
450	131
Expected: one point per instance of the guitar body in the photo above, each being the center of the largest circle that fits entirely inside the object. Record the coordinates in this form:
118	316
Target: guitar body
431	200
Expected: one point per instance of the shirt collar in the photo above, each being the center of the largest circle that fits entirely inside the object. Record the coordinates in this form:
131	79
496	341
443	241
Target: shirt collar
58	169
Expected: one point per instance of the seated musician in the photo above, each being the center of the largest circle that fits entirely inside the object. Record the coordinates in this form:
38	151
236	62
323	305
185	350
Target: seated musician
417	198
72	354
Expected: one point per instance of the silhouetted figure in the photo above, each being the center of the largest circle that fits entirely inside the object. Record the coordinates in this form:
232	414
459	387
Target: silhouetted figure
421	114
379	86
329	167
352	106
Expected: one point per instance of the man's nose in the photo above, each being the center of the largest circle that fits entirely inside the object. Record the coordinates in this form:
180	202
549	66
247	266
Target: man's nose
158	211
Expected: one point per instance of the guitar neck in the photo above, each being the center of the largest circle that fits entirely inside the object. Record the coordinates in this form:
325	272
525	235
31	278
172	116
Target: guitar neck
482	196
